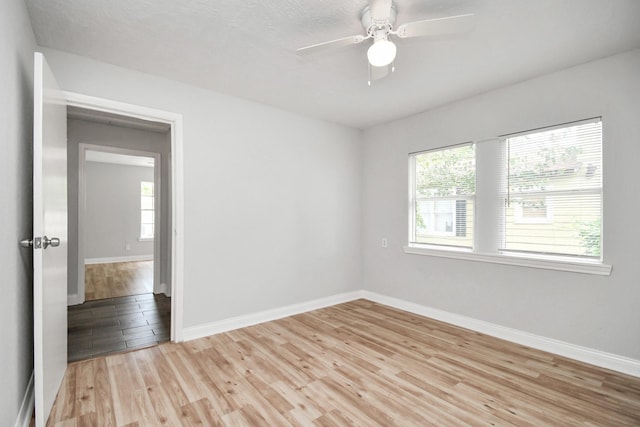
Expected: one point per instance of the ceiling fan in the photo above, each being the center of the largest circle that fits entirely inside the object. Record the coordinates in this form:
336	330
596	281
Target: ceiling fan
378	20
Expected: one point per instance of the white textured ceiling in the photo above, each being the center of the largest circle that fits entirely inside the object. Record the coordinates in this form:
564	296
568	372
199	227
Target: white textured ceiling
247	48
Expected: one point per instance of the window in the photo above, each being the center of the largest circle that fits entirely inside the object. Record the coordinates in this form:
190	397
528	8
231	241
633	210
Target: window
443	191
146	210
554	190
533	195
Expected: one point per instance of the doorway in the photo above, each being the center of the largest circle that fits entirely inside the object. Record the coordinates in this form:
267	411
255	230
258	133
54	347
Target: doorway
123	219
122	294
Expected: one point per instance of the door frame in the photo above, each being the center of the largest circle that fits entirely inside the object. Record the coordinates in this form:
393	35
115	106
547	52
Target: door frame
82	194
174	120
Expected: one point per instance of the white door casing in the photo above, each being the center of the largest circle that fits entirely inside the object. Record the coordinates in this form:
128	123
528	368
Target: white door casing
50	220
176	181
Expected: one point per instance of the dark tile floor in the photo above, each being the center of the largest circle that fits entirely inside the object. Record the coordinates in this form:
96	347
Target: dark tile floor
101	327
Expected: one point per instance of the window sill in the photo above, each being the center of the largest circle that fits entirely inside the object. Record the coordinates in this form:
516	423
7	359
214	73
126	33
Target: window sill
585	267
145	239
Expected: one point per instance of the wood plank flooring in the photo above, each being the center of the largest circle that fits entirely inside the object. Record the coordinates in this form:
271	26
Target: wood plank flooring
101	327
357	363
118	279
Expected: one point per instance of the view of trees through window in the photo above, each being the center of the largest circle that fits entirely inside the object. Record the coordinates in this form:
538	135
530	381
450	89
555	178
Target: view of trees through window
548	194
445	183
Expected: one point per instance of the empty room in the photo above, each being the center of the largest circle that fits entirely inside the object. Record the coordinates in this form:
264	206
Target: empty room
373	213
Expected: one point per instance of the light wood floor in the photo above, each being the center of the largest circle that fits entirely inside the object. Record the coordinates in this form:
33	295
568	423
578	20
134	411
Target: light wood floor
357	363
118	279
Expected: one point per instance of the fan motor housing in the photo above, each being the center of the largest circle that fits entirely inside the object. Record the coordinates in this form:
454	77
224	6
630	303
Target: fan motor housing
370	26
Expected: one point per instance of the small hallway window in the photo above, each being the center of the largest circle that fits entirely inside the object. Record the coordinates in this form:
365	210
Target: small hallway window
146	210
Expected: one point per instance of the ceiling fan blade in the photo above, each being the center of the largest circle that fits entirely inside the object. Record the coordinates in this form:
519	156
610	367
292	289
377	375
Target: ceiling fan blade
437	27
377	73
315	48
380	9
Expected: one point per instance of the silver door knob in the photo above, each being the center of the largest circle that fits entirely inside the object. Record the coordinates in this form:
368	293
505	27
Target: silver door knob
53	242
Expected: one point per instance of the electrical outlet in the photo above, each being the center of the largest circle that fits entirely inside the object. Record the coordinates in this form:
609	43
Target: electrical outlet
385	242
127	247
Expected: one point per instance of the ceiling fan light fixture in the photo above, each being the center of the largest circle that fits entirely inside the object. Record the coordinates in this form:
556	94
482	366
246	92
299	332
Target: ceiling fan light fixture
381	53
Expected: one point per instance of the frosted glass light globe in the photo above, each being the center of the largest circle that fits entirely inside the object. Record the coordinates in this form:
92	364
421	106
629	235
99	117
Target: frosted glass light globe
381	53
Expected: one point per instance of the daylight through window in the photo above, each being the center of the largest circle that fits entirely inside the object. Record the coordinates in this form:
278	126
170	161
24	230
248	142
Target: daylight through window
533	194
146	210
554	190
443	196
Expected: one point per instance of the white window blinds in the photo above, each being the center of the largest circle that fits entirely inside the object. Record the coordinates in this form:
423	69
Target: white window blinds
442	196
553	191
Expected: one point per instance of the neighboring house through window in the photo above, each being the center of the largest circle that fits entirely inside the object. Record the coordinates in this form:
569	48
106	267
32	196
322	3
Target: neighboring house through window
443	192
554	190
535	193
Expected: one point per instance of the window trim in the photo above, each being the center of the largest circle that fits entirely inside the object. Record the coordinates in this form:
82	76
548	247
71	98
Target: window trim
540	261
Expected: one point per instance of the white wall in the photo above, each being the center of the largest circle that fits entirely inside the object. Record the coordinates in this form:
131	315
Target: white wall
272	198
17	44
112	210
596	312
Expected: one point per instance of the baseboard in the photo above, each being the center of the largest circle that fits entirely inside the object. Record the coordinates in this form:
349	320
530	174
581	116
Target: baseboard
74	299
109	260
26	409
583	354
163	288
225	325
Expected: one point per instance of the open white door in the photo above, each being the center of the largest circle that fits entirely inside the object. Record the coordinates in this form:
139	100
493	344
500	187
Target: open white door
49	238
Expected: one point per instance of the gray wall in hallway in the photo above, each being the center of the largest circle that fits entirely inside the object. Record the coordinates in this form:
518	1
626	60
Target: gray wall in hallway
83	131
112	210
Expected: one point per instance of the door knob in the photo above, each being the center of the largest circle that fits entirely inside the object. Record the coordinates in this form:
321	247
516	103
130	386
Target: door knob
53	242
38	242
26	243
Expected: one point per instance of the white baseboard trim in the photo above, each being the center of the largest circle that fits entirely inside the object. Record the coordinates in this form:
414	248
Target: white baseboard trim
163	288
109	260
74	299
194	332
26	409
583	354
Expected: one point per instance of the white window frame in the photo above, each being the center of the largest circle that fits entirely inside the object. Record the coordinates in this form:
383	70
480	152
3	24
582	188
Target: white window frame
142	238
487	239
